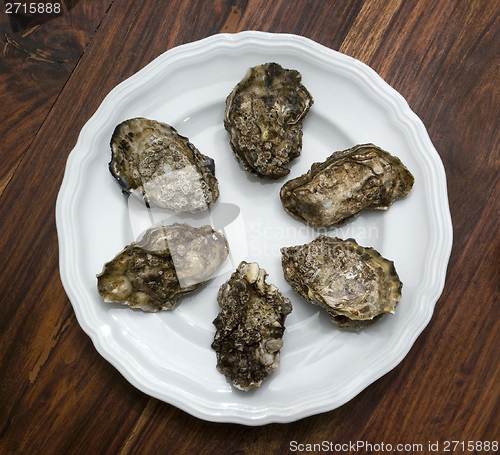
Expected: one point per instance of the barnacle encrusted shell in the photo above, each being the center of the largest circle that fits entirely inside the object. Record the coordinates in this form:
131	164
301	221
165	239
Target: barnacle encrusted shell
167	262
331	192
250	327
163	167
354	284
264	116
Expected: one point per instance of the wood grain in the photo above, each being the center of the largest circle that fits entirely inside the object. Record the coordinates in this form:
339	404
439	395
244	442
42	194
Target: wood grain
58	396
35	64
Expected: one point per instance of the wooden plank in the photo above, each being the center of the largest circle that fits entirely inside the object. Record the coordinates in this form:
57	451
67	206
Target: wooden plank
35	63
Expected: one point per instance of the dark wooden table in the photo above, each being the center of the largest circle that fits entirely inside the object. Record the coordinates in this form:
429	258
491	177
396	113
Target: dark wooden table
58	396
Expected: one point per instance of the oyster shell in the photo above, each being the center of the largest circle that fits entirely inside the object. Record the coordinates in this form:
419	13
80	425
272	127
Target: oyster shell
354	284
152	159
167	262
362	177
250	327
264	116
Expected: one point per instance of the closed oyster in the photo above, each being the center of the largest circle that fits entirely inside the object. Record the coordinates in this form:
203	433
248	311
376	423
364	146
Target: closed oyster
250	327
362	177
264	116
163	167
354	284
167	262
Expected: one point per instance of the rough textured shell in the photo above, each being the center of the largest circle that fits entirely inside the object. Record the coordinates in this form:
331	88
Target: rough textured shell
354	284
168	261
250	327
362	177
264	116
168	171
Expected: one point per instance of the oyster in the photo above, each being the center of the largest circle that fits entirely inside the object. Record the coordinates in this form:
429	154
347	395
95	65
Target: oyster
362	177
167	262
264	116
354	284
250	327
152	159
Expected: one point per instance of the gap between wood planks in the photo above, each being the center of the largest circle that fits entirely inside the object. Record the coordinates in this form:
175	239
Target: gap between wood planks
139	425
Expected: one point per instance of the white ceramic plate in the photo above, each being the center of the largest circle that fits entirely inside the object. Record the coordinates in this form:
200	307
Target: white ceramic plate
168	355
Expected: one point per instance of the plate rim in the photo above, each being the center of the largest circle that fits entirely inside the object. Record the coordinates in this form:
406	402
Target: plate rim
442	226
